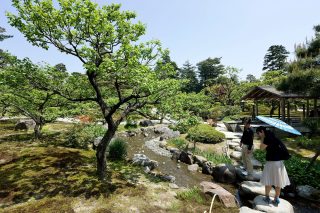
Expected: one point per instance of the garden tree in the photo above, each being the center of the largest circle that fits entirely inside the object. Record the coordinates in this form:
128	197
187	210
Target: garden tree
209	70
188	72
251	78
224	85
61	67
119	69
5	57
19	91
275	58
166	60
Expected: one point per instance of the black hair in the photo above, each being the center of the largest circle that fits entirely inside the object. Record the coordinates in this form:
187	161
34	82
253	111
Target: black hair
260	128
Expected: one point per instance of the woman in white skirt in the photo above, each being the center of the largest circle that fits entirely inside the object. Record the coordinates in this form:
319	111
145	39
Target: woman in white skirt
274	172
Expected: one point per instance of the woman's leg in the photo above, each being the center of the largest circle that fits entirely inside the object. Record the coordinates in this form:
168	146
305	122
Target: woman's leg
278	190
267	190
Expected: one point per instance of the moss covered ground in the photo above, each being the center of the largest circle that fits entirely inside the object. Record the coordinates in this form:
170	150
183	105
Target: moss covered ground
41	176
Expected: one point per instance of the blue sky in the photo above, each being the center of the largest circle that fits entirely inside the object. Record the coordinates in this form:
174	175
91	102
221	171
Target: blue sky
238	31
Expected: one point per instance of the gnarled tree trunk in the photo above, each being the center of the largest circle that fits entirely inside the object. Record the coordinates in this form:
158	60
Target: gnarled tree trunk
101	153
37	130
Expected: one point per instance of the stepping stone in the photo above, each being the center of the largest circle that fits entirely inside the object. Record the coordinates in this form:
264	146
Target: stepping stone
283	207
254	177
236	155
232	145
245	209
225	197
256	164
251	189
238	148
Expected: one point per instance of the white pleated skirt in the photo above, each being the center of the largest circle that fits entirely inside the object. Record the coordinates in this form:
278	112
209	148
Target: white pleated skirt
275	173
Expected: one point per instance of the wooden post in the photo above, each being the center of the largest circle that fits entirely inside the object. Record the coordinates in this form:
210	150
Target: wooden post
253	112
315	109
308	108
279	109
283	108
304	111
256	108
288	111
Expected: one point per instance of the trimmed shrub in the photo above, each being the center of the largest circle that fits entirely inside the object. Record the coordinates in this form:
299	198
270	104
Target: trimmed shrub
81	136
215	158
184	125
204	133
117	149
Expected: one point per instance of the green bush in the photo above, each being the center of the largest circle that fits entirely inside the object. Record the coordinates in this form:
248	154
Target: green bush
184	125
232	112
180	143
312	123
213	157
81	136
204	133
131	124
296	168
117	149
304	142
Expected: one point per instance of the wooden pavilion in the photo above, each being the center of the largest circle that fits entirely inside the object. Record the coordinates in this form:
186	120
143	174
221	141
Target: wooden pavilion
269	93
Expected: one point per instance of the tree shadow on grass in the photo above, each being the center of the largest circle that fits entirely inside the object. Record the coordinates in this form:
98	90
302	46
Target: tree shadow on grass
46	172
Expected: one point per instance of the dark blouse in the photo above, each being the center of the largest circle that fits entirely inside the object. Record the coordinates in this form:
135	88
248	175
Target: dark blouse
273	152
247	138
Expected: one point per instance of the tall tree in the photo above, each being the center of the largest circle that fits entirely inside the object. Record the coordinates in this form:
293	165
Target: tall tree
20	93
209	70
5	57
251	78
119	69
275	58
188	72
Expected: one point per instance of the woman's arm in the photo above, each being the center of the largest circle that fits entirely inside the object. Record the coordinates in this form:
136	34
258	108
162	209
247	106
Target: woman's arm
262	145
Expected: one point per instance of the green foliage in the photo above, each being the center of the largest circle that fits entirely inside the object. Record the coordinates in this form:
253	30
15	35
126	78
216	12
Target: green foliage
185	124
117	149
296	168
312	123
180	143
209	70
275	58
192	194
205	134
304	142
231	112
188	72
130	124
81	136
214	157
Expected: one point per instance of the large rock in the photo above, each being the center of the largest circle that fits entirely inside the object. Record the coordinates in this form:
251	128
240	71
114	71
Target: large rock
25	125
226	197
236	155
232	145
245	209
309	193
283	207
207	168
251	189
143	160
224	173
166	132
199	160
256	164
186	157
146	123
254	177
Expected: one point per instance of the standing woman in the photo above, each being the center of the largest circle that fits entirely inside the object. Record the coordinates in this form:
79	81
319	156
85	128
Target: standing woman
274	172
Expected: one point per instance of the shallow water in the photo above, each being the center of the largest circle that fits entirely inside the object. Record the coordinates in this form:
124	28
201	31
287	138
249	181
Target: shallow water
183	176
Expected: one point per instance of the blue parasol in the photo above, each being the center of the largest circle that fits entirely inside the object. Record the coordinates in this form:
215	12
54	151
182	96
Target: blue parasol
279	124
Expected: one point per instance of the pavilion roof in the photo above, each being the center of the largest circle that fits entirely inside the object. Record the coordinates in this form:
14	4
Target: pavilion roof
269	92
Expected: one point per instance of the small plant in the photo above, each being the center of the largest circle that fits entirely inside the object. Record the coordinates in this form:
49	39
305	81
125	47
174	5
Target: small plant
130	124
81	136
304	142
205	134
117	149
180	143
213	157
192	194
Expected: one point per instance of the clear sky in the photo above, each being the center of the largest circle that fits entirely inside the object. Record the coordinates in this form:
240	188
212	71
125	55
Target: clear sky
239	31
